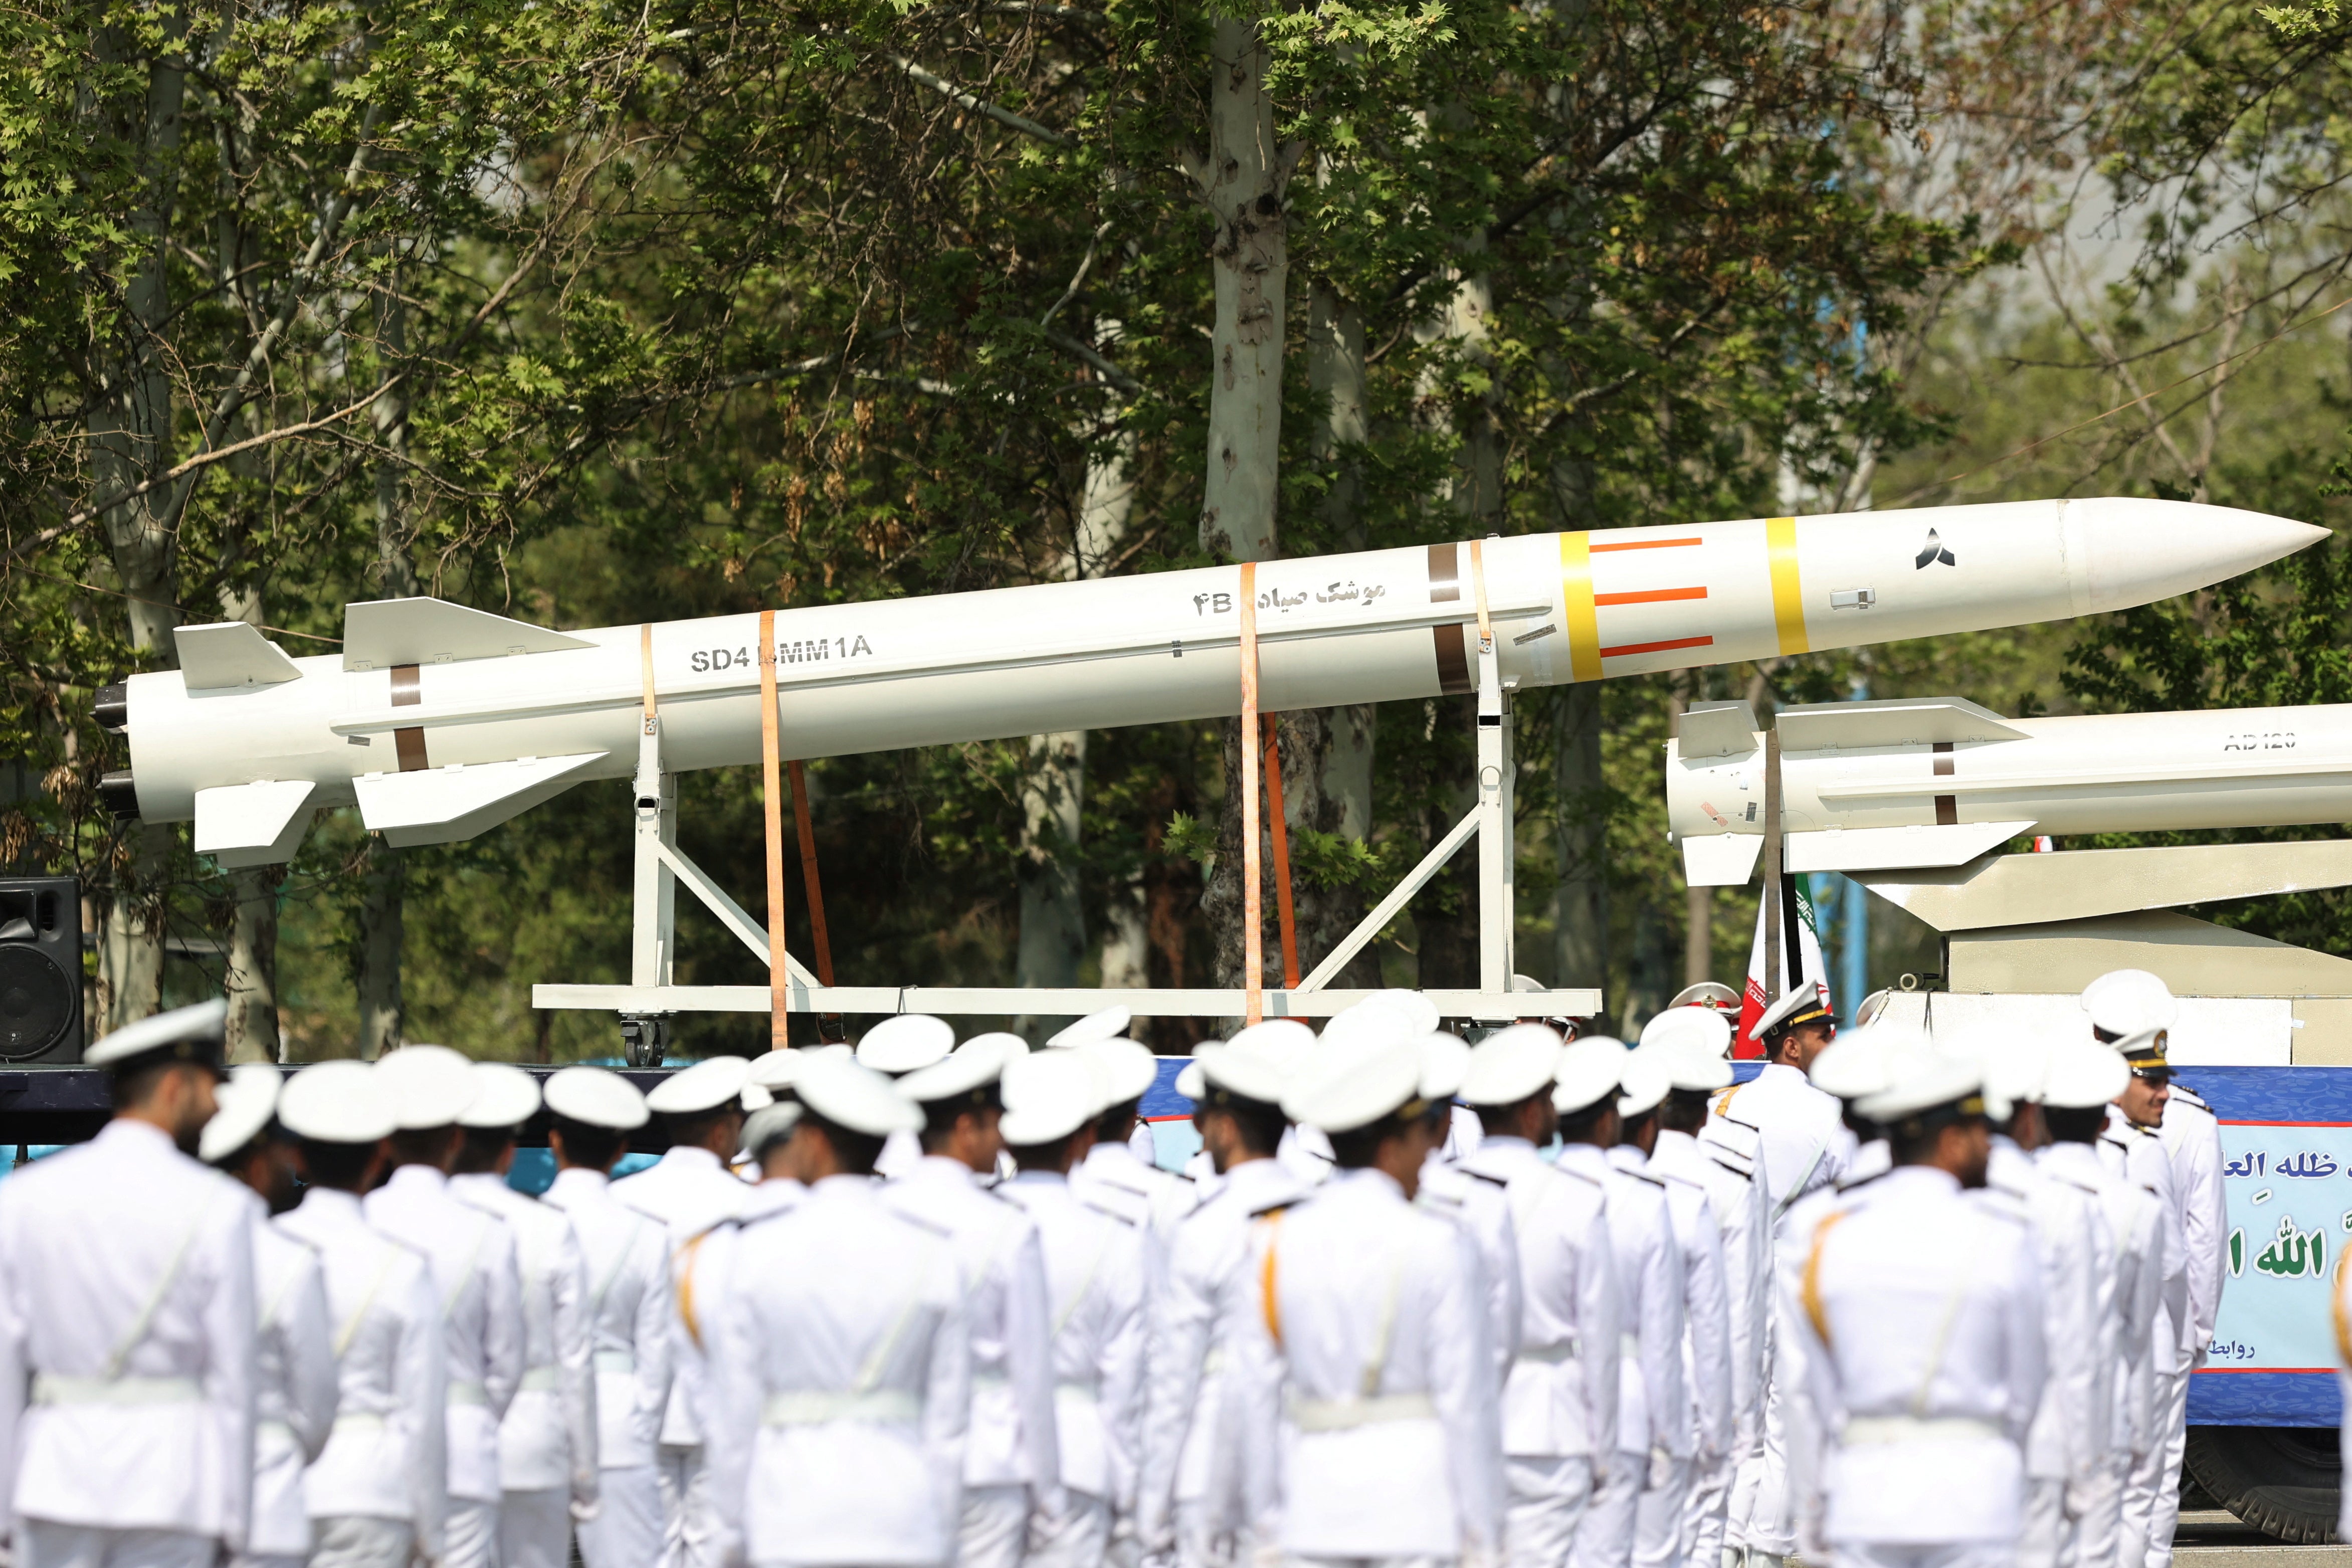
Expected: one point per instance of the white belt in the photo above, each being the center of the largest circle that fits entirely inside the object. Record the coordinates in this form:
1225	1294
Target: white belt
269	1428
468	1393
1345	1414
1213	1363
1549	1356
51	1388
815	1407
989	1380
1629	1345
1084	1392
623	1363
1917	1429
359	1421
540	1377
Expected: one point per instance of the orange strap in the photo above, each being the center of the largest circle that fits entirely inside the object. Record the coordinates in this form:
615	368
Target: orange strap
808	873
645	660
1283	919
1266	1281
1478	587
1815	1312
772	798
1253	899
686	1289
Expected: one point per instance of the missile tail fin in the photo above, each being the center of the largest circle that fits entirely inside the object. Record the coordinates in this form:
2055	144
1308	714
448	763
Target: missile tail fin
253	824
1888	849
1721	859
1898	722
441	806
230	654
379	634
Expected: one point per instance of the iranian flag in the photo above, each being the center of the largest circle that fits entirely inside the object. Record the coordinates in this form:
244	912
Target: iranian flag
1800	963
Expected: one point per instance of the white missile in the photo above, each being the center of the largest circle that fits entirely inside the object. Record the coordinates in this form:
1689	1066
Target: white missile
1937	782
439	721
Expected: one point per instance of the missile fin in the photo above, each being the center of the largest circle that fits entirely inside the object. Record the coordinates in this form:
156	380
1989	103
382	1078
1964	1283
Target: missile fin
441	806
253	824
230	654
379	634
1717	730
1721	859
1886	848
1898	722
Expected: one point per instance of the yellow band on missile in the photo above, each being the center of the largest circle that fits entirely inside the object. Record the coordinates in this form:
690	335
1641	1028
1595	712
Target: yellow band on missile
1583	625
1788	586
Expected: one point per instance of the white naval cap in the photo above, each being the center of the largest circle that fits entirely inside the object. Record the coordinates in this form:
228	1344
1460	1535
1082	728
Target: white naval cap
245	1105
197	1031
1368	1025
596	1097
1342	1090
2127	1001
1127	1070
774	1070
1419	1010
429	1085
1924	1079
1445	1063
1861	1062
755	1098
1803	1003
851	1095
336	1102
767	1127
1047	1097
1647	1077
903	1044
1235	1071
1011	1044
1512	1064
1713	995
1590	1070
507	1097
704	1087
968	1068
2081	1074
1690	1028
2016	1064
1105	1025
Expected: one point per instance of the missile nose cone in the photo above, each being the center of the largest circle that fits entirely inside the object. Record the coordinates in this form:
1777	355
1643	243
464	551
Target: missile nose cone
2138	551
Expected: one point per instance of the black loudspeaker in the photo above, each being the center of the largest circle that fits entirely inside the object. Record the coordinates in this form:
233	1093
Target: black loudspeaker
40	969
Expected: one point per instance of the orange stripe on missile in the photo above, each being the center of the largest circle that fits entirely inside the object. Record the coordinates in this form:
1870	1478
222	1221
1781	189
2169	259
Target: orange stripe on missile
1626	650
1652	597
1645	544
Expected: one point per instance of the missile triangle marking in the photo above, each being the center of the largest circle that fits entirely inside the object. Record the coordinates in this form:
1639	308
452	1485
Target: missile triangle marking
1932	553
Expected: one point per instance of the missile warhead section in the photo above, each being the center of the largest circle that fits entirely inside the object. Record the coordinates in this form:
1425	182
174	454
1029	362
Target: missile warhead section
439	721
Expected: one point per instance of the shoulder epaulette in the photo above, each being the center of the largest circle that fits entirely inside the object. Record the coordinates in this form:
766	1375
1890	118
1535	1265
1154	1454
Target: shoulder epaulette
1850	1184
1658	1182
1277	1207
1722	1158
1101	1205
2182	1093
1483	1176
919	1221
1580	1175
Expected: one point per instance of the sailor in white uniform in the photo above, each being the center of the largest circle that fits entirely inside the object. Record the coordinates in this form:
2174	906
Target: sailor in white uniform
1698	1432
1921	1317
1368	1425
840	1374
1095	1271
475	1271
1478	1206
2133	1147
689	1191
2079	1080
126	1323
378	1497
1236	1087
1012	1454
1112	1166
905	1043
1560	1394
1652	1401
294	1356
546	1443
1694	1043
590	1113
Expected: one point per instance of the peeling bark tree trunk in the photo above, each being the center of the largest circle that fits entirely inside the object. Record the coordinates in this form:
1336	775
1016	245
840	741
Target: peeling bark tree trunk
1580	837
378	955
251	980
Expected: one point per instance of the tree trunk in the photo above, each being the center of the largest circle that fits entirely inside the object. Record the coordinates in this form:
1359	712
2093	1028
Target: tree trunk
1244	186
1698	944
378	958
379	925
1580	838
251	980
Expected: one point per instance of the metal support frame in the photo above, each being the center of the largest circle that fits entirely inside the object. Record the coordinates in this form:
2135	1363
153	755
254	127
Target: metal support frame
651	997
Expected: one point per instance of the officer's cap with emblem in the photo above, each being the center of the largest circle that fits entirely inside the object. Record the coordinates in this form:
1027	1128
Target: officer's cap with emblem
1926	1087
1512	1064
1647	1078
1860	1062
1352	1087
595	1097
767	1127
2079	1075
856	1097
968	1075
701	1089
1108	1023
507	1097
2133	1011
1590	1070
192	1035
429	1085
1047	1097
1804	1003
336	1102
907	1043
1711	994
245	1105
1126	1070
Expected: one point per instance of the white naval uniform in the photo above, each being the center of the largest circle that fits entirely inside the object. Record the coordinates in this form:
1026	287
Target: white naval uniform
294	1392
2134	1225
1479	1208
1368	1425
2069	1435
1187	1416
380	1490
472	1255
1559	1399
126	1354
1921	1320
2152	1487
628	1310
1094	1273
2191	1137
1736	1202
1654	1439
1012	1450
1706	1414
547	1442
689	1192
840	1379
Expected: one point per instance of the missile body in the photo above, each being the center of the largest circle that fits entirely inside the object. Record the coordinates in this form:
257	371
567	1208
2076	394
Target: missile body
439	721
1869	787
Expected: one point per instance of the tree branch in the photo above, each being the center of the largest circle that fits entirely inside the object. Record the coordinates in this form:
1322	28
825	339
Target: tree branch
1002	116
1103	367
